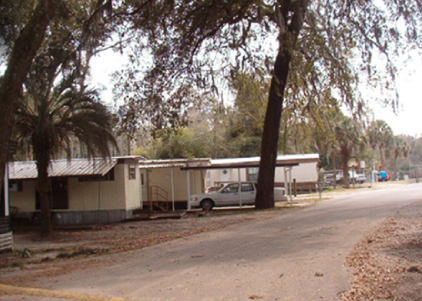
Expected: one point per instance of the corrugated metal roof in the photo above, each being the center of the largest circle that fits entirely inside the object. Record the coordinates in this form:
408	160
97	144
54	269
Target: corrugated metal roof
62	168
162	165
280	158
169	163
133	157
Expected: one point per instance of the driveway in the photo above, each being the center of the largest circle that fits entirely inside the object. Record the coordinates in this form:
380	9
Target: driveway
295	256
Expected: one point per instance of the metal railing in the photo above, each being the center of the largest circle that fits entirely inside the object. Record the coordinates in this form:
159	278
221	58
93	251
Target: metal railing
158	198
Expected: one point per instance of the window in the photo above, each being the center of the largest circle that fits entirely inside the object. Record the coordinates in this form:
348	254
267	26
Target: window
132	171
232	188
247	187
15	186
253	174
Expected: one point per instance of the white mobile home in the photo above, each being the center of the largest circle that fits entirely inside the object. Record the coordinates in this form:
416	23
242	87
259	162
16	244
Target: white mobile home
303	169
84	191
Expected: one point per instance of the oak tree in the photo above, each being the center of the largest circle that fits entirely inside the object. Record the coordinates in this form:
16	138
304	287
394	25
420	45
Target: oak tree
305	45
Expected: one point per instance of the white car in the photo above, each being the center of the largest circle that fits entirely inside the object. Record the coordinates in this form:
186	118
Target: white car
354	177
229	195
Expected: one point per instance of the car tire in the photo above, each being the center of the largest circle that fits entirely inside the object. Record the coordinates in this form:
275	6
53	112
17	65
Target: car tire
207	205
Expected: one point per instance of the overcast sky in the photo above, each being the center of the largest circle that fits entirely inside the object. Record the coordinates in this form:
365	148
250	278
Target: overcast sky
407	121
409	118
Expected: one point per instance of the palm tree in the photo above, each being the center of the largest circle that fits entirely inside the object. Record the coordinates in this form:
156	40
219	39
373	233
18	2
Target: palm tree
50	121
380	136
400	148
350	139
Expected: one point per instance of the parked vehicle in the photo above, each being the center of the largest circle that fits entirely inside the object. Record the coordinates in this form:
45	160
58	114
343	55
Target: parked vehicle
357	177
229	195
383	176
354	177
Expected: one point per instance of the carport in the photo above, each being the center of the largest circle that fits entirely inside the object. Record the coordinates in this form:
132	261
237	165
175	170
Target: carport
163	181
241	163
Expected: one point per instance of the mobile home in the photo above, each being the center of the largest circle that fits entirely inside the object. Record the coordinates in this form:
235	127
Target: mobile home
302	169
84	191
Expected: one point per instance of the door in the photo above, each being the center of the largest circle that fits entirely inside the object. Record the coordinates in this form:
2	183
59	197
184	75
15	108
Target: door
58	195
247	193
229	196
144	185
224	175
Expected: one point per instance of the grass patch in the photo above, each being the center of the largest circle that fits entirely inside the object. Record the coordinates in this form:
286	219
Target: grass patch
46	259
81	252
24	253
17	265
312	200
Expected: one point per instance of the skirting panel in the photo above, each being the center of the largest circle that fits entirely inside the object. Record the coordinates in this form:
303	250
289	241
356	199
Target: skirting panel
6	241
88	217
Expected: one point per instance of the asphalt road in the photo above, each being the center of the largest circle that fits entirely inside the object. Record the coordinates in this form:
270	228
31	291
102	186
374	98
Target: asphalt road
296	256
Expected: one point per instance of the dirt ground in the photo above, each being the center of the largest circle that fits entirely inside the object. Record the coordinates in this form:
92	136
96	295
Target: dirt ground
31	249
387	264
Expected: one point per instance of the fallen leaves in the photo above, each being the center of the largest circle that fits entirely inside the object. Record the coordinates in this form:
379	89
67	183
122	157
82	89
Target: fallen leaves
383	260
255	297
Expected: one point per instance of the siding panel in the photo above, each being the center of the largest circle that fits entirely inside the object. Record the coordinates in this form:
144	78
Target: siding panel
6	238
5	224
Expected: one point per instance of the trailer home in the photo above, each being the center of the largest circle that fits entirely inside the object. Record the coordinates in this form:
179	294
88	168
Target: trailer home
84	191
301	169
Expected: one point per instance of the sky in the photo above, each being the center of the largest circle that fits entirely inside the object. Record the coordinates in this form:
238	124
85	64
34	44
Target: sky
407	120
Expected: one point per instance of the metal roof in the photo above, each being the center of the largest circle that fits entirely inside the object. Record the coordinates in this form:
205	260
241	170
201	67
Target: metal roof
132	157
250	162
169	163
62	168
280	159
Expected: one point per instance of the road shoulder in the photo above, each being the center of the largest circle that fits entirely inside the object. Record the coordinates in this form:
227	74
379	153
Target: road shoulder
388	262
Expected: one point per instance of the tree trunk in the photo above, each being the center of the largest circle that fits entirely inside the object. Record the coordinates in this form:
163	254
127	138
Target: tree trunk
345	156
19	63
395	167
382	156
44	194
334	163
269	144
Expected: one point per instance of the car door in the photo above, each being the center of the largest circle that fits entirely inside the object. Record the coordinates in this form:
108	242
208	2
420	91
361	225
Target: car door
229	196
247	193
